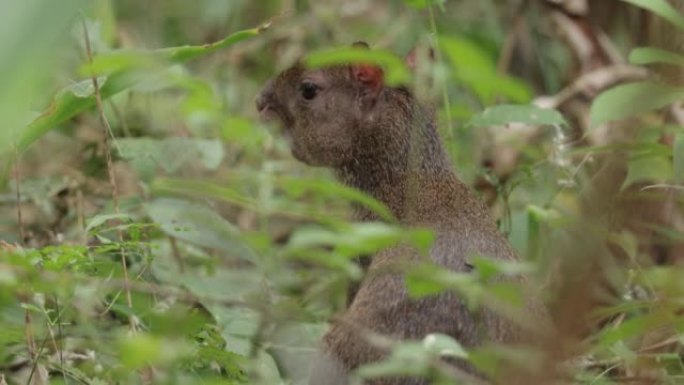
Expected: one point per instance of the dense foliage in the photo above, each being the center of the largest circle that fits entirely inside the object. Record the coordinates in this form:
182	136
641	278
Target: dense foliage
153	230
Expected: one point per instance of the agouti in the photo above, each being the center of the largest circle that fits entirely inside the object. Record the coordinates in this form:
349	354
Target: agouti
380	140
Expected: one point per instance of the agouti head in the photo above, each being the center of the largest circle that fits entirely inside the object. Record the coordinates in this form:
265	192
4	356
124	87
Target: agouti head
337	115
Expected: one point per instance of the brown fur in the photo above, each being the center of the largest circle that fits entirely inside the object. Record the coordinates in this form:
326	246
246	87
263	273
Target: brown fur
381	141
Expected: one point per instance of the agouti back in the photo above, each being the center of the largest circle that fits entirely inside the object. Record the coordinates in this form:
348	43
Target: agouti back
380	140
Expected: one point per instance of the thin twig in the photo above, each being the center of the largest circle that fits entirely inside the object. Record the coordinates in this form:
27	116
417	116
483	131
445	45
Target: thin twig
509	45
17	181
28	332
445	92
110	168
81	217
60	333
35	368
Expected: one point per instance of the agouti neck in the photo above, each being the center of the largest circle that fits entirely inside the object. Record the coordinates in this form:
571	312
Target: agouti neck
399	160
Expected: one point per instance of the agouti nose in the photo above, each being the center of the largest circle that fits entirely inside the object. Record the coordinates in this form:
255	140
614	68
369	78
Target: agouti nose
265	97
261	102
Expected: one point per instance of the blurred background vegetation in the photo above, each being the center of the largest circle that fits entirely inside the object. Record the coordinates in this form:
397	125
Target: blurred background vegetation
152	230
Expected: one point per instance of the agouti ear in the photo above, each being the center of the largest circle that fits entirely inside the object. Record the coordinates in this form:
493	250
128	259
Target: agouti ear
368	75
418	53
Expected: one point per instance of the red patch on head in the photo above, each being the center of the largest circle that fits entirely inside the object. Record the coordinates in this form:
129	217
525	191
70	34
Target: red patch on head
368	75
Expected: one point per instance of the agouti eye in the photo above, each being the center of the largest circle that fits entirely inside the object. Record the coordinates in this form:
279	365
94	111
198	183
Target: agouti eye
308	90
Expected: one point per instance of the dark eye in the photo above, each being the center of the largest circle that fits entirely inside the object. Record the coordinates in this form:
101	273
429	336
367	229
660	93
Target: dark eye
308	90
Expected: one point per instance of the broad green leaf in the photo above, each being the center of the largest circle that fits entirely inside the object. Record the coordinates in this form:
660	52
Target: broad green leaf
119	60
444	346
41	189
632	99
422	4
206	189
426	280
631	328
652	169
33	31
661	8
68	104
360	238
141	350
170	153
85	88
476	69
414	358
652	55
293	347
101	219
489	267
678	158
199	225
666	280
238	327
527	114
406	359
241	131
335	189
234	285
293	187
395	69
419	4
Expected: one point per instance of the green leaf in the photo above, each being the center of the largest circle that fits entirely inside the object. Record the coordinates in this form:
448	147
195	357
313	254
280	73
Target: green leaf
422	4
335	189
170	153
85	88
476	69
490	267
359	238
293	187
661	8
34	33
632	99
141	350
235	285
414	358
425	280
395	69
444	346
198	224
631	328
120	60
418	4
238	327
99	220
117	64
526	114
652	169
406	359
652	55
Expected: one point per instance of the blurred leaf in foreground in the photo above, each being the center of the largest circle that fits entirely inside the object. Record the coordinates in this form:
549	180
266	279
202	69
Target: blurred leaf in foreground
395	70
526	114
31	32
123	69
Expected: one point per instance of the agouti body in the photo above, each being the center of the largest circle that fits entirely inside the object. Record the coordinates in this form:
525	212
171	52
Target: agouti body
380	140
